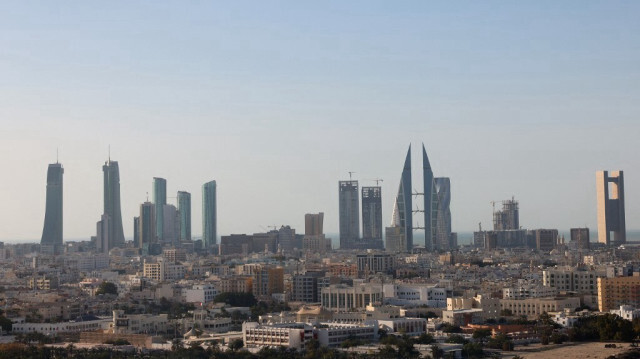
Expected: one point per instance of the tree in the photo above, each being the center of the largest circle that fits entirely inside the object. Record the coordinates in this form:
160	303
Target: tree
437	352
425	338
450	328
236	345
456	339
107	288
481	334
5	324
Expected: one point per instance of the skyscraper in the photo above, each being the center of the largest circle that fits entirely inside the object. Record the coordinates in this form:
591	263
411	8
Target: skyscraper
209	215
147	226
102	234
170	224
400	234
112	202
430	202
611	218
313	223
159	200
52	230
184	209
443	214
349	211
372	213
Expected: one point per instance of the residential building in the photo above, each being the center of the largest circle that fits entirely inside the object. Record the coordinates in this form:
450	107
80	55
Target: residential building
617	291
372	217
375	262
268	280
573	279
533	307
580	236
349	211
184	210
546	239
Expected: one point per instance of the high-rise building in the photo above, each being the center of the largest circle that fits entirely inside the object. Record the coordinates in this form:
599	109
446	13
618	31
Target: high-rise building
400	235
443	236
430	203
614	292
209	215
159	200
136	230
170	224
546	239
313	223
580	236
103	235
112	202
184	208
52	230
349	213
611	218
508	218
147	226
371	213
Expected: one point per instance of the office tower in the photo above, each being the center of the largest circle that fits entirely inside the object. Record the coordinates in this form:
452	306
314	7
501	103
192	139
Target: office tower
52	229
546	239
170	224
349	213
580	236
443	237
314	239
136	230
184	209
159	200
508	218
430	203
147	226
112	202
313	223
371	213
399	237
610	194
286	239
103	235
209	215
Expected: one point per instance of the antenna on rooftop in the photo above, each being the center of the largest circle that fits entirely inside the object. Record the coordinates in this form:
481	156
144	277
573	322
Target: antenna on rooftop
57	155
350	173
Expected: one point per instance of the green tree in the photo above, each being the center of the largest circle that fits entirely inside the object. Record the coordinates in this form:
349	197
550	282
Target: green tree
107	288
5	324
456	339
236	345
481	335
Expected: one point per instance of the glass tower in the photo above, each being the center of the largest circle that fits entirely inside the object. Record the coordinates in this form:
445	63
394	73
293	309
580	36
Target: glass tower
52	230
430	202
159	200
112	202
209	214
402	208
184	209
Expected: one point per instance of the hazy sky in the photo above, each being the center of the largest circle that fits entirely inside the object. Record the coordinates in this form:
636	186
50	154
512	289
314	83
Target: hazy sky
278	100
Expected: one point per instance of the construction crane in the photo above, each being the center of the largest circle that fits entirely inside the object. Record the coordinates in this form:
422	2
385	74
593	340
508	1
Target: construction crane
350	173
493	204
376	180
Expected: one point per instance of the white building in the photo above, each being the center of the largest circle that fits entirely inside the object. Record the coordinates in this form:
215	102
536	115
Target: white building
415	295
627	312
296	335
199	293
138	323
408	326
573	279
340	297
86	325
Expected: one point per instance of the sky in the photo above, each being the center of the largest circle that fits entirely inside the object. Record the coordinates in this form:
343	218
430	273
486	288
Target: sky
278	100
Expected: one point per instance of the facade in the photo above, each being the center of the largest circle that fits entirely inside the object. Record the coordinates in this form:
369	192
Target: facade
463	317
399	237
415	295
161	271
86	324
580	236
184	210
111	174
341	297
267	281
304	287
443	237
159	200
611	217
139	323
546	239
375	262
102	234
372	217
147	226
533	307
170	224
349	211
200	294
313	224
209	215
286	239
174	255
569	279
52	229
430	203
614	292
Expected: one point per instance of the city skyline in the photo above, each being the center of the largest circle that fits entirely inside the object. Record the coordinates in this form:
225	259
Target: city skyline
279	103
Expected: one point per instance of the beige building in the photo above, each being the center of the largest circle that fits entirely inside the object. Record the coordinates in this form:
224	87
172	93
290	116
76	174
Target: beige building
236	284
610	196
572	279
533	307
268	280
614	292
490	306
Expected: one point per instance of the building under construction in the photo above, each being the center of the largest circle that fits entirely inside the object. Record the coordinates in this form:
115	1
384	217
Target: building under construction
508	218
